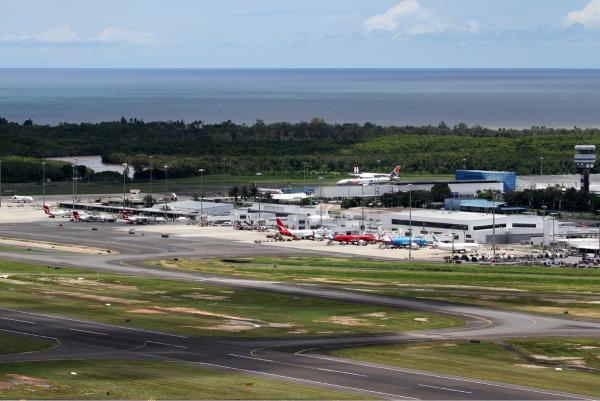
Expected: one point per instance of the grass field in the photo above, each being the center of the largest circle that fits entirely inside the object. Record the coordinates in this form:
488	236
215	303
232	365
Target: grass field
195	308
185	185
123	380
490	361
534	289
11	344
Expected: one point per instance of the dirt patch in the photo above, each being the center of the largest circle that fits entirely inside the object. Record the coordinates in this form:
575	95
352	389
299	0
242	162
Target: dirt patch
189	311
229	328
281	325
330	281
169	265
421	319
343	320
529	366
101	298
376	314
13	380
581	312
206	297
83	282
146	311
584	347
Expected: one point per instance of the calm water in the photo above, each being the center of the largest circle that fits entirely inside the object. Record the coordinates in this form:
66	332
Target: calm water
495	98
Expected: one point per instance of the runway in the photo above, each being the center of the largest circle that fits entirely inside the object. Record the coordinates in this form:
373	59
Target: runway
297	359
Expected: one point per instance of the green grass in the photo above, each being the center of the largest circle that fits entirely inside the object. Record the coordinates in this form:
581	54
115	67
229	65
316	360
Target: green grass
195	308
535	289
97	380
486	361
583	351
11	344
186	185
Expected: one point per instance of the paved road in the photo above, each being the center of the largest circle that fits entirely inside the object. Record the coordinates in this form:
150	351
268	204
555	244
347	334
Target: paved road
289	359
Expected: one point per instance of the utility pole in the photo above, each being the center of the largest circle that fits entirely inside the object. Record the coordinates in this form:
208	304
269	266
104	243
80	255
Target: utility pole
44	182
494	227
166	167
362	203
464	164
378	161
124	175
201	171
541	165
410	221
150	169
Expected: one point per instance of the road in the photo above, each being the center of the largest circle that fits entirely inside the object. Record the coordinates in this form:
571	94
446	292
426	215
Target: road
298	360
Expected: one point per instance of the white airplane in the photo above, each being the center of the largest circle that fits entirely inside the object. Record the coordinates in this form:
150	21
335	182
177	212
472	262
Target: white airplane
23	199
269	190
141	219
293	197
371	178
55	213
93	218
456	246
286	232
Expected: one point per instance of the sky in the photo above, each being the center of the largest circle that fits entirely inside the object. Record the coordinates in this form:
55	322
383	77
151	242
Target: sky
300	34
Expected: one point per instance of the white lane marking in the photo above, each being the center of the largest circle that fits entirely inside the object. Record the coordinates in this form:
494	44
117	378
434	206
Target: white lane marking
445	388
306	381
446	377
28	334
89	332
168	345
94	323
251	357
17	320
342	372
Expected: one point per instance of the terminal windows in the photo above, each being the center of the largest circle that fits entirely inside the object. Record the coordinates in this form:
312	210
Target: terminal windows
524	225
433	224
489	227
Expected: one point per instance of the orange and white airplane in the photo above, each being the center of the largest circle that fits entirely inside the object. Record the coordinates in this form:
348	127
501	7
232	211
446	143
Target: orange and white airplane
55	213
371	178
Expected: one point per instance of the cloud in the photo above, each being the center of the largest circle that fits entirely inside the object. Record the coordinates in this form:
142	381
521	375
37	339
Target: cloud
588	16
65	36
409	18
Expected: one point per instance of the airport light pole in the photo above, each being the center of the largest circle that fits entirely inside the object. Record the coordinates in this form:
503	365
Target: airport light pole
464	164
378	162
201	171
150	167
166	167
124	175
544	207
44	182
541	165
362	204
410	236
304	167
0	183
494	227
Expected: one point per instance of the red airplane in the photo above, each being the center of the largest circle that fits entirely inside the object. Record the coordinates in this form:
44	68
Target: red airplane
355	239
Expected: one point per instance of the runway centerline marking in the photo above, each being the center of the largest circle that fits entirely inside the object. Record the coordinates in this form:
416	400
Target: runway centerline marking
88	332
306	380
251	357
445	388
168	345
342	372
17	320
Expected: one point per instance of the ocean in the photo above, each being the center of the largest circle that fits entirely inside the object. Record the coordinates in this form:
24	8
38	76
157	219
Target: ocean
514	98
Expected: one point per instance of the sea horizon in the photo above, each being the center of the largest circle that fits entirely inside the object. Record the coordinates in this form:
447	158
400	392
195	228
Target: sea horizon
491	97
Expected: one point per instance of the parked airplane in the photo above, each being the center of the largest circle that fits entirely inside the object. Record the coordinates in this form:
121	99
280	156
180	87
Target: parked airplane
23	199
141	219
269	190
55	213
403	242
293	197
456	246
93	218
356	239
286	232
371	178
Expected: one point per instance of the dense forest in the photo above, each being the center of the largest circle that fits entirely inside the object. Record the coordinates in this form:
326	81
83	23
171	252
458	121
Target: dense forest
284	148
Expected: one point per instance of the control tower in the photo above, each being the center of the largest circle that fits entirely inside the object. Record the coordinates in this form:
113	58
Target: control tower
585	160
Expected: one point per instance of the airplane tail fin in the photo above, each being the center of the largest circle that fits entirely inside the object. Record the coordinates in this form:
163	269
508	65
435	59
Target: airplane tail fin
76	215
46	209
435	239
124	215
395	172
279	223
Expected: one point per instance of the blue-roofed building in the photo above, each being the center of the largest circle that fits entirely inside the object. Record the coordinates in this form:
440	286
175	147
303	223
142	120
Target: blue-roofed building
481	206
508	178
